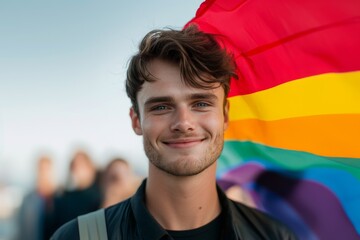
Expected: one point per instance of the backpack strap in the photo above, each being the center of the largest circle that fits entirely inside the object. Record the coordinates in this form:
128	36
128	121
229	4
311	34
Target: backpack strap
92	226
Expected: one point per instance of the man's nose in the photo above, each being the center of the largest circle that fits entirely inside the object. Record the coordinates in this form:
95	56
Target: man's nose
183	120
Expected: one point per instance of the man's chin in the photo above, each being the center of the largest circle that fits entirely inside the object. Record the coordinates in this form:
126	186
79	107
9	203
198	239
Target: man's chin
184	166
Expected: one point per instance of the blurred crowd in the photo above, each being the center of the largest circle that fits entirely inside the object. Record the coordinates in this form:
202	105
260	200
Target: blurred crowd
47	206
87	188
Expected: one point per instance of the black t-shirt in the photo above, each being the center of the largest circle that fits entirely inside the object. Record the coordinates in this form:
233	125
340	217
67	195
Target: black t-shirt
210	231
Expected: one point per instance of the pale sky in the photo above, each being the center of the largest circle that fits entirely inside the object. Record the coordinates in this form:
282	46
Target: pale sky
62	71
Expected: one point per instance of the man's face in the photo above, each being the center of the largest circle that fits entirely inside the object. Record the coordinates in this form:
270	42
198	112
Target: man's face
182	127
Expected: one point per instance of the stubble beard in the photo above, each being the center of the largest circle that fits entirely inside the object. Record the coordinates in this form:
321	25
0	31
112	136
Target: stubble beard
185	165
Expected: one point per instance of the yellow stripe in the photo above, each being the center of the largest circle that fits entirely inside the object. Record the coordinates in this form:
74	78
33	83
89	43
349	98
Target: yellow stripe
331	93
326	135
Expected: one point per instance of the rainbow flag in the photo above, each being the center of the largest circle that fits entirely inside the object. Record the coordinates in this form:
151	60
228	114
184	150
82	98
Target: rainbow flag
294	138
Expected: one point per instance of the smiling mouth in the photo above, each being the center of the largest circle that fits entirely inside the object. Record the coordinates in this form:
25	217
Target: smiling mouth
183	143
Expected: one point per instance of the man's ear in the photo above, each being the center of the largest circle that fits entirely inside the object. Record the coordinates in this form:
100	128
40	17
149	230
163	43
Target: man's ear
226	114
135	121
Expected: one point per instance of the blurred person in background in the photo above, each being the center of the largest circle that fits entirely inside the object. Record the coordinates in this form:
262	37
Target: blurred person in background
82	192
35	211
119	182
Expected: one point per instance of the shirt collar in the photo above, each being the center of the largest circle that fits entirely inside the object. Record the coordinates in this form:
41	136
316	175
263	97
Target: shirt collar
149	228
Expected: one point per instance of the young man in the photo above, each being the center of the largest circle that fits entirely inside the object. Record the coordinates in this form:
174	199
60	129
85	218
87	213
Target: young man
178	83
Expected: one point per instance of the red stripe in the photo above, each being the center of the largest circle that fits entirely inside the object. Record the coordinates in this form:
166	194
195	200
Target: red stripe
273	43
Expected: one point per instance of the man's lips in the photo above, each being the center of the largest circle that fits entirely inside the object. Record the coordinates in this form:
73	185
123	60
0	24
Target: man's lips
183	142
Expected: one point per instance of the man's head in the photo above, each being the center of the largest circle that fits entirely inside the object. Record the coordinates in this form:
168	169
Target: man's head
201	60
178	84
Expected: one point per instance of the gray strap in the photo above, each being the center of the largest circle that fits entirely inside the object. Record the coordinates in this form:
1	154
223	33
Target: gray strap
92	226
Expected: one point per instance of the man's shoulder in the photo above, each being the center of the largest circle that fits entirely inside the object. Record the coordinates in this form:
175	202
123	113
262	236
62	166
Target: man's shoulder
250	212
259	221
114	215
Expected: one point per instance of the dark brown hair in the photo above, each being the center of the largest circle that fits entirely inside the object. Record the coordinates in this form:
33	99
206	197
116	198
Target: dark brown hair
201	60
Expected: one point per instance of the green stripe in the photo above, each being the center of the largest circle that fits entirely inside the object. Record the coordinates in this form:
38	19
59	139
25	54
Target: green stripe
237	152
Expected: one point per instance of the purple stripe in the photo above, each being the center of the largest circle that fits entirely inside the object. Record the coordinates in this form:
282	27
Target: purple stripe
316	204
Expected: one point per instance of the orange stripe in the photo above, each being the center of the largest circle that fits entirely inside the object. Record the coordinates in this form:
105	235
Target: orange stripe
326	135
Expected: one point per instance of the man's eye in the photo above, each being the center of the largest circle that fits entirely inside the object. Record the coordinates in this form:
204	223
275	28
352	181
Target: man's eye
201	104
159	108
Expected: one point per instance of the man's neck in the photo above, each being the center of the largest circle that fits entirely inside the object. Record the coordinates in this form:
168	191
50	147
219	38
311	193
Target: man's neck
181	203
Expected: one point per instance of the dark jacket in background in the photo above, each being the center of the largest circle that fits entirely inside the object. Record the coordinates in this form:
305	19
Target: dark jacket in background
73	203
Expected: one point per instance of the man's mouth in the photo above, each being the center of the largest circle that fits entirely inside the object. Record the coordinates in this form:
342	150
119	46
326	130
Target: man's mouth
183	142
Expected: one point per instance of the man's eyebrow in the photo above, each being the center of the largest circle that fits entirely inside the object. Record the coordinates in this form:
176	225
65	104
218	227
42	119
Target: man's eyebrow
153	100
195	96
203	96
